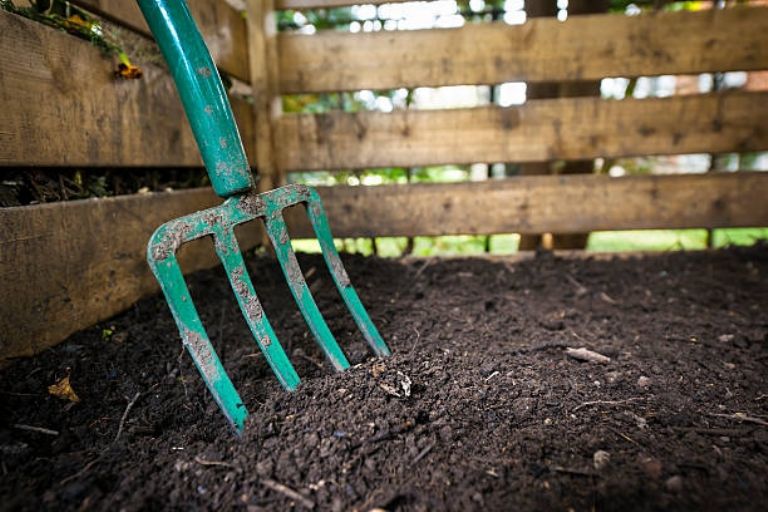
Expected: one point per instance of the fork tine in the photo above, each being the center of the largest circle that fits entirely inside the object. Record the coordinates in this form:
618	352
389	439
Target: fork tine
194	337
231	258
319	221
278	234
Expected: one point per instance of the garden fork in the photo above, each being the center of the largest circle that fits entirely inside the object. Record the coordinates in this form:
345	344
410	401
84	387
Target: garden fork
210	116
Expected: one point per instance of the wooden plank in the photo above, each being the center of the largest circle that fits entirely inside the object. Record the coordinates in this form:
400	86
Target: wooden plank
62	106
535	204
222	27
325	4
262	30
569	128
69	265
540	50
65	266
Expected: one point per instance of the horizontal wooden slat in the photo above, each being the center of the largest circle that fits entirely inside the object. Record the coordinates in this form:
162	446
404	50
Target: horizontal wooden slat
65	266
69	265
222	27
324	4
581	48
541	130
536	204
62	106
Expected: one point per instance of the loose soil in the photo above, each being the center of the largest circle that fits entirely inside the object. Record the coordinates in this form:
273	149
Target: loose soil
497	417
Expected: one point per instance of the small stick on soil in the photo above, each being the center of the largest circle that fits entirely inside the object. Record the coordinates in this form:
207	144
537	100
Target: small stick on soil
39	430
418	337
730	432
204	462
125	416
302	355
423	268
423	453
584	354
580	288
740	416
81	472
289	493
569	471
607	402
625	436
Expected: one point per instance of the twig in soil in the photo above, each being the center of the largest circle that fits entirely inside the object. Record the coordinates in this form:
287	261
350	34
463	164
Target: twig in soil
11	393
125	415
625	436
423	453
289	493
730	432
580	288
418	337
761	397
300	353
204	462
81	472
584	354
570	471
607	402
39	430
423	268
740	416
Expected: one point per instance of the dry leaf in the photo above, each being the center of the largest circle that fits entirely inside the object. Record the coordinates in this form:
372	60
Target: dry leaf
63	389
128	71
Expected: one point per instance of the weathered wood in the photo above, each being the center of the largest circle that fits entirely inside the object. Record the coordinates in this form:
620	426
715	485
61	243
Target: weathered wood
573	128
535	204
62	106
222	27
69	265
581	48
65	266
262	31
324	4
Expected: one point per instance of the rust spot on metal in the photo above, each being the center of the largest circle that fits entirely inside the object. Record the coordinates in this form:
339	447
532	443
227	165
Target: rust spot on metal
266	341
204	71
237	280
251	304
197	345
254	309
284	236
252	204
295	276
337	267
172	240
208	109
223	142
213	218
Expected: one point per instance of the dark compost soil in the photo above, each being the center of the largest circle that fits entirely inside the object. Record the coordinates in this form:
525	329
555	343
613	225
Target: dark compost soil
498	416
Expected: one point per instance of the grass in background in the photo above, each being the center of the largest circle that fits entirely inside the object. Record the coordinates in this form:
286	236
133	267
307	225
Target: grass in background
599	241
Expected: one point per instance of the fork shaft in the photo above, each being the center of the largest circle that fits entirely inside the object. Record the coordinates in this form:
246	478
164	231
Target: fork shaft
202	94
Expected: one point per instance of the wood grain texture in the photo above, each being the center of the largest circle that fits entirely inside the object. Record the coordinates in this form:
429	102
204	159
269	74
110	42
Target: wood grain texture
262	30
222	27
587	47
542	130
62	106
535	204
69	265
65	266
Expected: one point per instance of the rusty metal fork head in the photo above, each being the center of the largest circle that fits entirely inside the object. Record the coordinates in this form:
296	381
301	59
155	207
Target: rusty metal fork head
219	222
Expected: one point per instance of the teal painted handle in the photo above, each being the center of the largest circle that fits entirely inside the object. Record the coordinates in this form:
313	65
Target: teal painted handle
202	94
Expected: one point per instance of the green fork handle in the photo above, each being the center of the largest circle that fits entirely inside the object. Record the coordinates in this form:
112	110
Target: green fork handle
202	94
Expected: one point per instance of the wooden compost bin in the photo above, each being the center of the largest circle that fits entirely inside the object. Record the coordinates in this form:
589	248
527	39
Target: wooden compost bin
65	266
